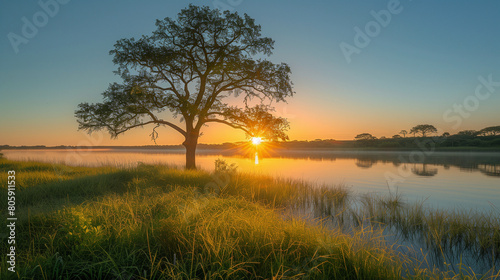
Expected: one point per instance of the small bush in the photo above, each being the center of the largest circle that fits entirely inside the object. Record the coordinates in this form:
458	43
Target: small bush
221	166
475	143
495	143
389	144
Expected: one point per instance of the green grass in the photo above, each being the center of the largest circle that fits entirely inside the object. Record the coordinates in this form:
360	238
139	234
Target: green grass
445	232
446	235
158	222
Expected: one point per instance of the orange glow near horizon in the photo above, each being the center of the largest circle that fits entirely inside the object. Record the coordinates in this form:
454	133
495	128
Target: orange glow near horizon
64	132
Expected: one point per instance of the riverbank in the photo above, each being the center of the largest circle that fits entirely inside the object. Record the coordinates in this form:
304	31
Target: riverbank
158	222
456	143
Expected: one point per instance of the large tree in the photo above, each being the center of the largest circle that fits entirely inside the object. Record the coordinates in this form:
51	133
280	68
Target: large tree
403	132
423	129
364	137
468	133
490	131
190	67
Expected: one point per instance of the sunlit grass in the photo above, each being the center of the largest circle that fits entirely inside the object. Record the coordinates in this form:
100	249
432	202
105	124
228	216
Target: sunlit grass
158	222
450	233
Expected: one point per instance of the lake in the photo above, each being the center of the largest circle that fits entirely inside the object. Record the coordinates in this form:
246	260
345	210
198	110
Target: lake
465	180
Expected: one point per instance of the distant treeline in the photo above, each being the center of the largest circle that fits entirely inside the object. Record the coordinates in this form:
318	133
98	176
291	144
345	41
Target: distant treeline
439	141
488	137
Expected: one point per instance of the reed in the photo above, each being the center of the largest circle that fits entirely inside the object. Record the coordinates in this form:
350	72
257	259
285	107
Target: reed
159	222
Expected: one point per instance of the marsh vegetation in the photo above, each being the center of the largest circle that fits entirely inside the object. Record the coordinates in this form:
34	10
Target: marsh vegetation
159	222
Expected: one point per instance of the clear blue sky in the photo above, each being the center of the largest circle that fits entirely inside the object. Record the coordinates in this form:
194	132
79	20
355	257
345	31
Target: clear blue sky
424	61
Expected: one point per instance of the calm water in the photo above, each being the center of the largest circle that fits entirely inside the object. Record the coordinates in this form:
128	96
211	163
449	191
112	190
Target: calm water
444	180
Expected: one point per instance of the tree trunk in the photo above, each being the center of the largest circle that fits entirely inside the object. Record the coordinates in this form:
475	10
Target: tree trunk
190	144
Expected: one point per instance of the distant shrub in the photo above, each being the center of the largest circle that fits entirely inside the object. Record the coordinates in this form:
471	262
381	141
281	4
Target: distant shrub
221	166
475	143
392	144
495	142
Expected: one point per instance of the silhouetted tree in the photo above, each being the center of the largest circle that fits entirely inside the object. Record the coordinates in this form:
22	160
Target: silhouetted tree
189	66
446	134
365	163
424	171
365	139
414	132
489	169
403	132
469	133
490	131
423	129
396	136
365	136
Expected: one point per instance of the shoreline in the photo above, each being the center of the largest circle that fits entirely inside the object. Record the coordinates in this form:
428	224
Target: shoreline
111	208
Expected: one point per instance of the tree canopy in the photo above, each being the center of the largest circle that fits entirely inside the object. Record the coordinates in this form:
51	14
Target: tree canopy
189	68
467	133
423	129
490	131
364	137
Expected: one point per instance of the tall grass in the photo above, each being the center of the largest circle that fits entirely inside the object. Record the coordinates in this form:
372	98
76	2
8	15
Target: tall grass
158	222
449	234
142	224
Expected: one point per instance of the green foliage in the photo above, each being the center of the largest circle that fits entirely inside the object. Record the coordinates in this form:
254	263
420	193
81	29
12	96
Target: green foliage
388	144
173	232
154	222
445	232
495	143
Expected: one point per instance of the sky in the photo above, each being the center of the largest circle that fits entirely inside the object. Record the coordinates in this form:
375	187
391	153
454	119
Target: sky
358	66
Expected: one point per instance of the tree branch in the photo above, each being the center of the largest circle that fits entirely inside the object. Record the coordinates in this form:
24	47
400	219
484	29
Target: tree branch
228	123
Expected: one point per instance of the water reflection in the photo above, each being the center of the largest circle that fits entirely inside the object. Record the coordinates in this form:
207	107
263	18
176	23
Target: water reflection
365	163
443	179
487	163
489	169
424	170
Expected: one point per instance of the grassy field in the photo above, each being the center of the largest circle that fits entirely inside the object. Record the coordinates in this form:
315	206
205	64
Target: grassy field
158	222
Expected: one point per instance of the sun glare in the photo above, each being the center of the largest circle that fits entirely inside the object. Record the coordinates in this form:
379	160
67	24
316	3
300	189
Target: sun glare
256	140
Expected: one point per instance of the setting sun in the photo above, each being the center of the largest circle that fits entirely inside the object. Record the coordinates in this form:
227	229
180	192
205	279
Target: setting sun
256	140
241	148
